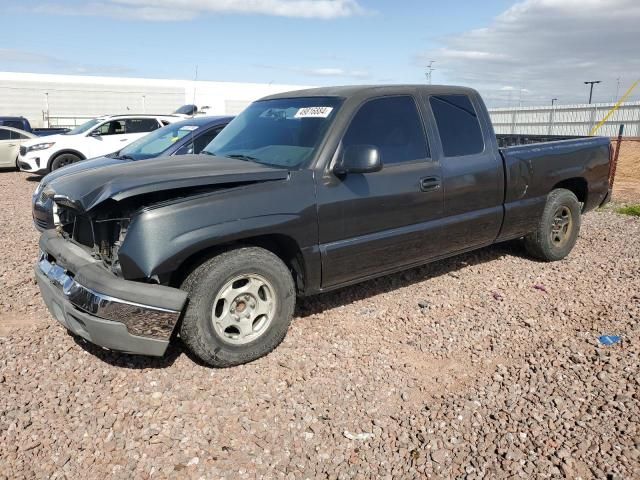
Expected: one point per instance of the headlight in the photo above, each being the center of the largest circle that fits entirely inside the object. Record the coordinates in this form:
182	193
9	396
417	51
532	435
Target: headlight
40	146
56	215
39	189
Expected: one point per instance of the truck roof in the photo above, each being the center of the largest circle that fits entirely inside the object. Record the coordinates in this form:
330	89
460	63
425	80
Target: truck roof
348	91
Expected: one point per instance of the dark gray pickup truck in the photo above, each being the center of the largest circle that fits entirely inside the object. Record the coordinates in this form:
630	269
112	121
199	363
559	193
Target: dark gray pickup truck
302	193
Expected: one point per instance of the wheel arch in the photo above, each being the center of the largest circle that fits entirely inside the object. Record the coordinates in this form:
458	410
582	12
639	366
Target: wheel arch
578	185
283	246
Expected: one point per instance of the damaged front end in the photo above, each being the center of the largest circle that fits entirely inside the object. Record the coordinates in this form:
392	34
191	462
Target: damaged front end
101	232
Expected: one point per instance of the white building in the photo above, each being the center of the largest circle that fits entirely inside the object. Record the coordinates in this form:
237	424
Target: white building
68	100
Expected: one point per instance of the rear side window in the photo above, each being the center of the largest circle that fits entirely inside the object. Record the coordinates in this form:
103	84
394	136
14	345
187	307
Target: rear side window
141	125
393	125
458	125
5	134
205	139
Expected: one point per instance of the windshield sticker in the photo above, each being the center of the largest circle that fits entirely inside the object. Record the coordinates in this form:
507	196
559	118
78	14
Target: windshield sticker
314	112
189	128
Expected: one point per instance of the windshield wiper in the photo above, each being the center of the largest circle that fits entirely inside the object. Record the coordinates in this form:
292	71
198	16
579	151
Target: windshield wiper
241	156
125	157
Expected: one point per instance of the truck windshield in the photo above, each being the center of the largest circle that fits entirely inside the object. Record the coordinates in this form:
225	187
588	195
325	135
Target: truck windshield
84	127
155	143
284	132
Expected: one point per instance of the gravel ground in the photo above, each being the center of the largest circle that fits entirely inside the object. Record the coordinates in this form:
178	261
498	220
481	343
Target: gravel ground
487	365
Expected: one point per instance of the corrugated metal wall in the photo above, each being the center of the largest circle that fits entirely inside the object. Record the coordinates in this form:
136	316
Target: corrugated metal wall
69	101
72	99
567	119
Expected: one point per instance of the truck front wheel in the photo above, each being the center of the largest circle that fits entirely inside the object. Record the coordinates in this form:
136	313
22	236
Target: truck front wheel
558	229
240	306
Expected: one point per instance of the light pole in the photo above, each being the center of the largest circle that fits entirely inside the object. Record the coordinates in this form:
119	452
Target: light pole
429	71
553	101
592	83
46	106
144	104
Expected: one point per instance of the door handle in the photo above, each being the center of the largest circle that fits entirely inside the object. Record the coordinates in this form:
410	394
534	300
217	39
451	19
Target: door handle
124	139
428	184
12	145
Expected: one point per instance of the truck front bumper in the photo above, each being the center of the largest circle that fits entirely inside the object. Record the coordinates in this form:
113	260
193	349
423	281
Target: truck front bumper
93	303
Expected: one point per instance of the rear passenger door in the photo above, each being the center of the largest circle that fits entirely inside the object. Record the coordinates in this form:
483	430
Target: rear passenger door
472	171
377	222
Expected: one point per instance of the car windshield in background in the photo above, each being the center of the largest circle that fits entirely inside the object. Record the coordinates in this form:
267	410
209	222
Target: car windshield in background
187	110
284	132
155	143
84	127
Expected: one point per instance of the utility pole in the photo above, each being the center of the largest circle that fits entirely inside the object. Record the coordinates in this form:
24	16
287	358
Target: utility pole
617	89
429	71
46	103
553	101
592	83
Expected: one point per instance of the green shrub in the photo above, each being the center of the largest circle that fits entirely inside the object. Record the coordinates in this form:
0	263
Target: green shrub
630	210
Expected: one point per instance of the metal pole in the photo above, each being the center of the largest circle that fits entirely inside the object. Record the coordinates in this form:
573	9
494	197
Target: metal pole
46	100
614	162
591	83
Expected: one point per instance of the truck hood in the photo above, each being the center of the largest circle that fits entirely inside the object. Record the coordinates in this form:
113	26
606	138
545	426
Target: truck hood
80	167
87	188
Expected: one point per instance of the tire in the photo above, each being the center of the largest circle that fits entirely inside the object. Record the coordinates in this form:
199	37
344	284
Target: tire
63	160
558	230
229	323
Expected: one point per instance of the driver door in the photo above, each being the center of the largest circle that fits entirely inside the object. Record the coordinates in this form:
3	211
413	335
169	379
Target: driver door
378	222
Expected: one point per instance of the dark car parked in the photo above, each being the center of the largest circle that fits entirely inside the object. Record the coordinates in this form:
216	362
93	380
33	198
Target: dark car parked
180	138
22	123
302	193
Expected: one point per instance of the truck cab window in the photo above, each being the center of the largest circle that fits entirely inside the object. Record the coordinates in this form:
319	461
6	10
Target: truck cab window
457	124
393	125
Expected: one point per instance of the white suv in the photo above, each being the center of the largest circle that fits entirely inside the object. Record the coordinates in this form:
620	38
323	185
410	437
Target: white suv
100	136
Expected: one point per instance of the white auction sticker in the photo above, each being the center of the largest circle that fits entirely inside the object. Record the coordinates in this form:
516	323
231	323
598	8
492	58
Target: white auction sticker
189	128
313	112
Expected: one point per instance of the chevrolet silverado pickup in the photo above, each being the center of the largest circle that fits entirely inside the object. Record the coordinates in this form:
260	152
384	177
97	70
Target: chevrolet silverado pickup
302	193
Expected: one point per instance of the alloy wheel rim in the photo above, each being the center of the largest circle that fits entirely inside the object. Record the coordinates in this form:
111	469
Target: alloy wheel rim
243	309
561	227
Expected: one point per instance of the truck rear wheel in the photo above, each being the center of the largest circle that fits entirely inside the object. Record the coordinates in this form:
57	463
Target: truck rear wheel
558	229
240	306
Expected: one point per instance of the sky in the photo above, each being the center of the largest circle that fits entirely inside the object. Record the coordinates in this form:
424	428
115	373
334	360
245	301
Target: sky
515	52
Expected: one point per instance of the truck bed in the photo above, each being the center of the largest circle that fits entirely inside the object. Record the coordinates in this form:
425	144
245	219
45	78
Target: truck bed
532	170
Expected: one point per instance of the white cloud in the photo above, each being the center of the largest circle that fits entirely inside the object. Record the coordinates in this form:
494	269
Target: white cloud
333	72
12	58
180	10
543	49
328	72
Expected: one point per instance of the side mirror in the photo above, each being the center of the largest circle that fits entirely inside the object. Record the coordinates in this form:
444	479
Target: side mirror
359	159
95	133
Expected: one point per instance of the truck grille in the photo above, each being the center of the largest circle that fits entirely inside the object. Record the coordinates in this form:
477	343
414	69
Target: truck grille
23	151
45	195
